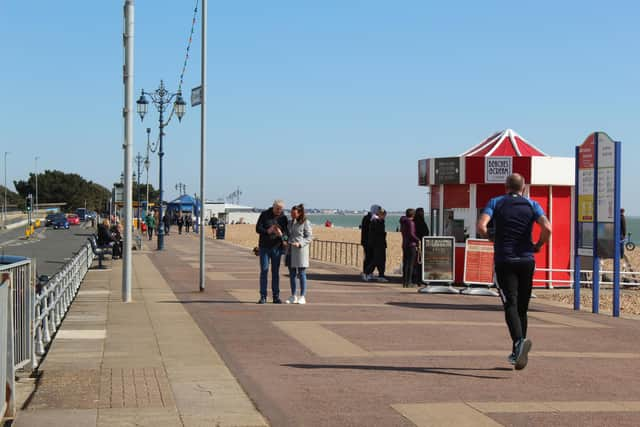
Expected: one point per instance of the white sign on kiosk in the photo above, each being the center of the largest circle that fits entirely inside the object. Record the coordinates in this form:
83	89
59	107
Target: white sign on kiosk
497	169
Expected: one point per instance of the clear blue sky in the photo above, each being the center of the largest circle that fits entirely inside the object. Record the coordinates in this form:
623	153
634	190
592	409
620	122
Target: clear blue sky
328	103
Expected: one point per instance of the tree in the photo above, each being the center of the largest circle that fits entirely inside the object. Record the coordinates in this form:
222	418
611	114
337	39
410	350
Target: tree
13	198
56	187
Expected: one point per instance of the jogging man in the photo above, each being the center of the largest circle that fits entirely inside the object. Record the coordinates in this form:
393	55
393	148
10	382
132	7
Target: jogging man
513	216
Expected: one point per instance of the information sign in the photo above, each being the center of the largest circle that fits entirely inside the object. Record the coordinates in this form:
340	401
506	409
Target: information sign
423	172
196	96
478	262
447	170
497	169
438	259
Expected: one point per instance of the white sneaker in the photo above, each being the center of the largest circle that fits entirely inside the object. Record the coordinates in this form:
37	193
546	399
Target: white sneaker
382	279
301	300
367	277
292	300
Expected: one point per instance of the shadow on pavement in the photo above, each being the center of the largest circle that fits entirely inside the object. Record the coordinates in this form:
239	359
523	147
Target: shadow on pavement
444	306
199	301
413	369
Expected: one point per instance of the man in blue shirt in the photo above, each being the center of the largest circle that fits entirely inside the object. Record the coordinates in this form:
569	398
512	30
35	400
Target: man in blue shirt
513	216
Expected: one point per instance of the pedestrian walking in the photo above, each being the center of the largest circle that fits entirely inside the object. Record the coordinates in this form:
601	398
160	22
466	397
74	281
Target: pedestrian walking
180	224
409	247
167	224
513	216
299	238
187	223
213	223
272	227
377	247
623	232
150	220
422	230
364	237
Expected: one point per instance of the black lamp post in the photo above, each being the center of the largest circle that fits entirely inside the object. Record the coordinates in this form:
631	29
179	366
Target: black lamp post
161	98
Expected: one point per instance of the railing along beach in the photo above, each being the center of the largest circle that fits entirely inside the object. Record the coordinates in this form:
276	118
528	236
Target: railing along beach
344	253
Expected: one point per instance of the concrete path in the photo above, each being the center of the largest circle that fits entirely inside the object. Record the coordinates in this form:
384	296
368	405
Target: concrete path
362	354
140	364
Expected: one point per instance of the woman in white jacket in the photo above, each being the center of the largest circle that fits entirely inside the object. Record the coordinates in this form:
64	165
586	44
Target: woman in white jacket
299	239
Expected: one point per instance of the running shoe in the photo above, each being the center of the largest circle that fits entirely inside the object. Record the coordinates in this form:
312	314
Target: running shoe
302	300
382	279
512	358
522	353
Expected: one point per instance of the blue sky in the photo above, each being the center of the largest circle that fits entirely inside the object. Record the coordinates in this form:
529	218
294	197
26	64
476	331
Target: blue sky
328	103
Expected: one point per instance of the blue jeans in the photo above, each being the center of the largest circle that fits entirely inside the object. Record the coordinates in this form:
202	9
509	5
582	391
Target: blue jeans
272	255
302	274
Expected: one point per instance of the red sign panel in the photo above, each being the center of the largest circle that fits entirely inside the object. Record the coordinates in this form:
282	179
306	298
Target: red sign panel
478	262
587	153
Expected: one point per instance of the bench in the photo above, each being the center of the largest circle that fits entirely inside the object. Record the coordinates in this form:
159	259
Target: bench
99	251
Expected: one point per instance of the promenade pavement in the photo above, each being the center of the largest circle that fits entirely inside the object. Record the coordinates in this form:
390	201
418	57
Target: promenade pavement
145	363
368	354
358	354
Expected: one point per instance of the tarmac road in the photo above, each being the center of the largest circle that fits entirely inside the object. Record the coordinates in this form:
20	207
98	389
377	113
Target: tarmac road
50	248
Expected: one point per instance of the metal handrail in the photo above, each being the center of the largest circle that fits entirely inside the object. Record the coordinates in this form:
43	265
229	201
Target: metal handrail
53	302
343	253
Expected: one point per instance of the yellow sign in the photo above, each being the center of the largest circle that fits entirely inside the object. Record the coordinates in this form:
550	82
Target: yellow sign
585	208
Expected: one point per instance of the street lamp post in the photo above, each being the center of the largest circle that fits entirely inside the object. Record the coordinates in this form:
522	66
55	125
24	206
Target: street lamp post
36	210
147	163
139	160
161	98
4	205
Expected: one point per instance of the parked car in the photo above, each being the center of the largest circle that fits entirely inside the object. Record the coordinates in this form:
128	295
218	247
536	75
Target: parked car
82	213
73	219
60	221
49	219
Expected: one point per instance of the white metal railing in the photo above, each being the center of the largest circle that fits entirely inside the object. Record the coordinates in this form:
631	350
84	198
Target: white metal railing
22	295
632	276
55	298
6	349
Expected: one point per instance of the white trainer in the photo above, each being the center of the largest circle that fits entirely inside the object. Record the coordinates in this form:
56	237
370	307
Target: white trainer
302	300
366	277
292	300
382	279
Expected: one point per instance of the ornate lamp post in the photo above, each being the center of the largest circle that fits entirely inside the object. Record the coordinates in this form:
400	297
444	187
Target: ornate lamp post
161	98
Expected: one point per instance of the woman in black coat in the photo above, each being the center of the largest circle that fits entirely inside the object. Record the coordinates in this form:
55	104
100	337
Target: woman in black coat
422	230
377	244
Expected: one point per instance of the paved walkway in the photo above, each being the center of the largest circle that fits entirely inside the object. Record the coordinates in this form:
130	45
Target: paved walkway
378	355
141	364
358	354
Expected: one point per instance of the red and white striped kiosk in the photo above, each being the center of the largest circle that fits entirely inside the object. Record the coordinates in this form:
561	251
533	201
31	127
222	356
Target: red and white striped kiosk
461	186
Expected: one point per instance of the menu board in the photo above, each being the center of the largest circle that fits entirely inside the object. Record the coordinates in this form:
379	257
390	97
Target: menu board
438	259
447	170
478	262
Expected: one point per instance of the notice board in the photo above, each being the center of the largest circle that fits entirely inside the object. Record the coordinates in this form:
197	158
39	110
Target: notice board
438	259
478	262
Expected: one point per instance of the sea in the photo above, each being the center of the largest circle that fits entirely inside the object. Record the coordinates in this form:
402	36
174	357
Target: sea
393	222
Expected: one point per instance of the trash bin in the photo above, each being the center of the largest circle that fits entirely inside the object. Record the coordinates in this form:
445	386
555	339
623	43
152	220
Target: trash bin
221	230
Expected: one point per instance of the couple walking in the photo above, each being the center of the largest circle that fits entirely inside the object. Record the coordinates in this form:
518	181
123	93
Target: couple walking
279	236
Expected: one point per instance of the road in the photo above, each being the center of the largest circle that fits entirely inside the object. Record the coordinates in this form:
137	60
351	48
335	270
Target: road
50	248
